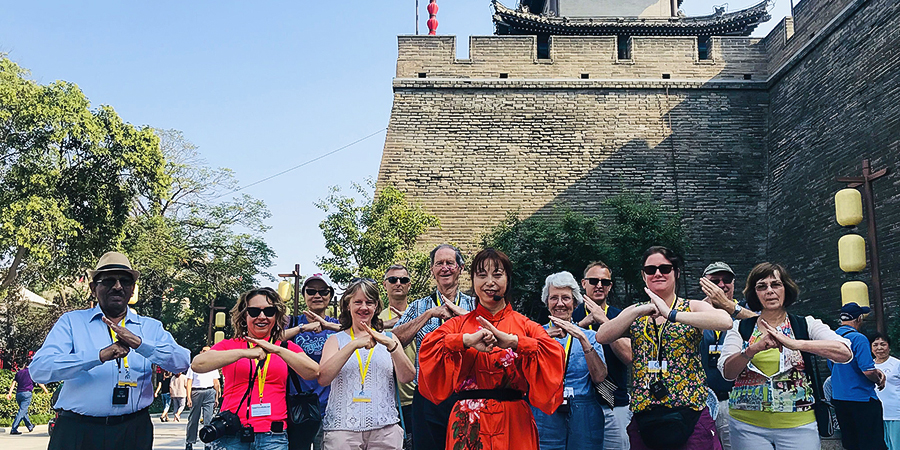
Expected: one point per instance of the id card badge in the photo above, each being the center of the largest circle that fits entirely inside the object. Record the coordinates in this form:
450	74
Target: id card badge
657	366
260	410
715	349
362	397
120	395
125	380
568	392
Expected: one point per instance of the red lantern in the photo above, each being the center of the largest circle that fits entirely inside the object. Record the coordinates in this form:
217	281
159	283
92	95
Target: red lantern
432	20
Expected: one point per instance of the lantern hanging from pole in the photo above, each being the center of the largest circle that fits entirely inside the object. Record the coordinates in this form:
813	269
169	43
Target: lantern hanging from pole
848	207
855	292
220	320
852	253
286	290
432	17
218	336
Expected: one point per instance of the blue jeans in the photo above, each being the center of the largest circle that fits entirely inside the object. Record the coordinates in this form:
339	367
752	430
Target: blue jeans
263	441
23	399
575	430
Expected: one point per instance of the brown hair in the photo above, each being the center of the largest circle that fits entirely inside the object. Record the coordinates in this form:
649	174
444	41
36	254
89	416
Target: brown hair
239	322
763	270
599	264
371	290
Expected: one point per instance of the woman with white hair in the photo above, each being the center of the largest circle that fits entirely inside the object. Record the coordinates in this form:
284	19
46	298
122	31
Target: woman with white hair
572	426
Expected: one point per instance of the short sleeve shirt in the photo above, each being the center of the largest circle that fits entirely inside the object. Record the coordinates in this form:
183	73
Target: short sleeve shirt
848	381
312	344
237	376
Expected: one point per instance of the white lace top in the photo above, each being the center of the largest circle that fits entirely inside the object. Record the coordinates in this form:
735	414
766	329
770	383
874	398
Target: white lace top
342	413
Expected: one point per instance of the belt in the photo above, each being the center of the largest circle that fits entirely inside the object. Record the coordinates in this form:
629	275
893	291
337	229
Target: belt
200	389
110	420
503	395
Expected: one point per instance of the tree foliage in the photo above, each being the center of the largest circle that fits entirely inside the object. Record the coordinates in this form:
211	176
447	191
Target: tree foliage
68	176
365	235
567	240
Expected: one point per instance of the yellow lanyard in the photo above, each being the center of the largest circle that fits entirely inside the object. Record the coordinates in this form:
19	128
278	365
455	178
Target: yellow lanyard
568	347
261	380
113	335
362	370
440	296
658	341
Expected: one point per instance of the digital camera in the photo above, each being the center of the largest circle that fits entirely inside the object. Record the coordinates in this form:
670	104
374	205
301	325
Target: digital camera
225	422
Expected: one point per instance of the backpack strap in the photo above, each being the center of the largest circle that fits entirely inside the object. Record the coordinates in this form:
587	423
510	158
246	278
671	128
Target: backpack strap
292	376
844	334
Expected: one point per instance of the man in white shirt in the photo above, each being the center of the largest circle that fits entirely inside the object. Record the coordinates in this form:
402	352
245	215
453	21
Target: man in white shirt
203	391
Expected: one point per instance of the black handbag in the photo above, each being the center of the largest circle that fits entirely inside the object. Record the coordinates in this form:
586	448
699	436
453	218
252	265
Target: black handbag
666	428
303	406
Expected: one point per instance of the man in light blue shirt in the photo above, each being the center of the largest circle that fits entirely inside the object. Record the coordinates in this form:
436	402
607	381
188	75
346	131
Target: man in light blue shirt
105	356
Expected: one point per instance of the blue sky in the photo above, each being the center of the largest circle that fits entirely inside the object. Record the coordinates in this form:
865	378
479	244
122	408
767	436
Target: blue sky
259	87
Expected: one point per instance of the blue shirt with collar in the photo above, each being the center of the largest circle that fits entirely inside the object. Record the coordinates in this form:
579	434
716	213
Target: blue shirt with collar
420	306
71	353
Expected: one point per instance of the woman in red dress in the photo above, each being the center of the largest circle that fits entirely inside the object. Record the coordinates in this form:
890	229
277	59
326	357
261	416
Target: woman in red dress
492	358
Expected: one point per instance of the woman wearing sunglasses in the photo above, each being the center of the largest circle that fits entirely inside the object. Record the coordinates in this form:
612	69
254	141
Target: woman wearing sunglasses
359	363
310	331
770	359
255	367
669	385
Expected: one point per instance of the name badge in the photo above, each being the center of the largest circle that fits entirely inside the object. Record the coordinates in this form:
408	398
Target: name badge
657	366
261	410
125	379
362	397
715	349
568	392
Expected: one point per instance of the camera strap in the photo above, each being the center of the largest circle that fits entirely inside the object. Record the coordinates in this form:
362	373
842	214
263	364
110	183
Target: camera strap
247	393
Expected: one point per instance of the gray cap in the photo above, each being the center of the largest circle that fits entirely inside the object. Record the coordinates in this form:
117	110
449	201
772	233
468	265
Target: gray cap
717	266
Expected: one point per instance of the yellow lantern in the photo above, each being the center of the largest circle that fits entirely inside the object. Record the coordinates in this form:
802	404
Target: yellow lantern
855	292
218	336
852	253
848	207
220	319
286	290
134	296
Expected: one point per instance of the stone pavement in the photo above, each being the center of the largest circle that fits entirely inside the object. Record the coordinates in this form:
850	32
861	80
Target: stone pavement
166	436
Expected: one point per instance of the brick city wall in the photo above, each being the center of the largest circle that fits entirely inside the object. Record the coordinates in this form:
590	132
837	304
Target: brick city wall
749	164
836	105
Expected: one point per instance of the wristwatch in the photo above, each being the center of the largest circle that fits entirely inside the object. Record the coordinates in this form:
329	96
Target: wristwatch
737	310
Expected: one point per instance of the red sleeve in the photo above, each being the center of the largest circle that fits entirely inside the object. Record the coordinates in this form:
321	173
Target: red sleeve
542	363
440	360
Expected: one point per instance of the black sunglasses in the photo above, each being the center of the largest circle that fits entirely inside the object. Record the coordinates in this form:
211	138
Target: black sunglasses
322	292
664	269
269	311
727	279
111	282
605	282
402	280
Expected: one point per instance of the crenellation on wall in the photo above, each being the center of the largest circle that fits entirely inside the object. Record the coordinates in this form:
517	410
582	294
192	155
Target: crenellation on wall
575	56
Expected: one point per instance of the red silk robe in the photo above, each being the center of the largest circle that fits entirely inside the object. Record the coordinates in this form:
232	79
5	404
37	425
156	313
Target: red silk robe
536	367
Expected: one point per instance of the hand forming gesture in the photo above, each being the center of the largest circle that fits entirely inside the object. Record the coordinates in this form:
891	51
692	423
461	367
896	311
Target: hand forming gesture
780	339
114	351
262	349
314	327
661	308
569	327
396	311
123	335
481	340
595	312
715	294
504	340
379	338
442	312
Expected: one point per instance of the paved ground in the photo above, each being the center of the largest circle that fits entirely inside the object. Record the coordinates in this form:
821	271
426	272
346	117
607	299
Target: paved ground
166	436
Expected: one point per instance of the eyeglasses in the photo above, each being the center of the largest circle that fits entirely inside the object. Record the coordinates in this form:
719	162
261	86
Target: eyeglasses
605	282
446	264
556	298
664	269
727	279
323	292
110	282
402	280
762	286
269	311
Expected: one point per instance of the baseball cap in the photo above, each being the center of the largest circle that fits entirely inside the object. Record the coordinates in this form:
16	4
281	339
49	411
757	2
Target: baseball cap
851	311
718	266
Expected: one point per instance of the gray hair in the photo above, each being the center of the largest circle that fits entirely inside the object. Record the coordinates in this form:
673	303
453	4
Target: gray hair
395	267
459	257
562	280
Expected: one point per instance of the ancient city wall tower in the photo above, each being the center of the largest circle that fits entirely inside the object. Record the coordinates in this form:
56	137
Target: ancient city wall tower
573	110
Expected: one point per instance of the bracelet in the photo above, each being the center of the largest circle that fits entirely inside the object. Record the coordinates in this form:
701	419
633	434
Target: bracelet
672	314
745	355
396	344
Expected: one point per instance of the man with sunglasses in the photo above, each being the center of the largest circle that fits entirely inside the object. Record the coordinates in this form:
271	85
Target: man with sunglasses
106	355
397	283
718	285
596	311
422	317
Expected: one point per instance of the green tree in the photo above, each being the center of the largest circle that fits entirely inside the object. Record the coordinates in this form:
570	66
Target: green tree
192	248
567	240
69	176
366	236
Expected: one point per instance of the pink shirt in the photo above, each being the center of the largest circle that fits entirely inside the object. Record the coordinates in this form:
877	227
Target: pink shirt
238	373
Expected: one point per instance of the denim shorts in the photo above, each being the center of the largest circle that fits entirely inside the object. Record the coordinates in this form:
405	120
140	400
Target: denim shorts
264	441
